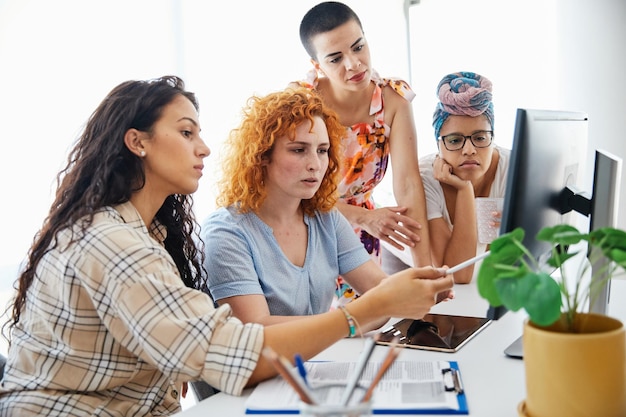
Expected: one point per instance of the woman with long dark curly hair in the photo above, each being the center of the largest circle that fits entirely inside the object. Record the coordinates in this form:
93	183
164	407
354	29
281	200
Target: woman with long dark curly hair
108	318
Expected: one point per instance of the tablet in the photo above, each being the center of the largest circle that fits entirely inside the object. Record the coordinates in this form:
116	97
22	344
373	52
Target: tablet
439	332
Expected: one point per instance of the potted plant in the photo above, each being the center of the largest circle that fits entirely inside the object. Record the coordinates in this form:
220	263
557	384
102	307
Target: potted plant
574	360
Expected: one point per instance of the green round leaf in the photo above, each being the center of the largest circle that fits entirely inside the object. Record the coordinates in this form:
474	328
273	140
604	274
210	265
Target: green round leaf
543	303
561	234
618	256
559	258
515	291
608	238
506	240
485	281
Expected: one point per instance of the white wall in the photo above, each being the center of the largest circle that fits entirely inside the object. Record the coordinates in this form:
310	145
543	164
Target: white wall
59	59
592	47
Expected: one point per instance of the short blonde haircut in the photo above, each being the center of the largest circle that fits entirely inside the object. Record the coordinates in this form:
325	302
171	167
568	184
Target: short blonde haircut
264	120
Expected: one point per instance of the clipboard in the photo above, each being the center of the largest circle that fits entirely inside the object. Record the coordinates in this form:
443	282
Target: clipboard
437	389
452	383
437	332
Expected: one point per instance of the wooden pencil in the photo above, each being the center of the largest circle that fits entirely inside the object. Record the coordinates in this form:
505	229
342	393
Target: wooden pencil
389	359
287	375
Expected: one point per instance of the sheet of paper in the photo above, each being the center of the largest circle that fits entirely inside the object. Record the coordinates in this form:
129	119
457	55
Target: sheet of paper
407	385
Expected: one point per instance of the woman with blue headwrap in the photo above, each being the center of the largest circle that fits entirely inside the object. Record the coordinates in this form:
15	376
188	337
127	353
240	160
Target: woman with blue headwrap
468	165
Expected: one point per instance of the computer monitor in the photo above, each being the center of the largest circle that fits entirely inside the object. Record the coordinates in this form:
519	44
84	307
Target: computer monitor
543	183
607	176
547	159
545	173
546	167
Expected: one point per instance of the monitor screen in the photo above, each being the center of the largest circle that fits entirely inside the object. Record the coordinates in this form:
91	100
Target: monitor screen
546	168
547	159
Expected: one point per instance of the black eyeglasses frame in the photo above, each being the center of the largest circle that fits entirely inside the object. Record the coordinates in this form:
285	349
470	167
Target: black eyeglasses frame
465	138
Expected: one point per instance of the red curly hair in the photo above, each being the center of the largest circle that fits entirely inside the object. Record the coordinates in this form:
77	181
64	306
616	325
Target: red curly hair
266	119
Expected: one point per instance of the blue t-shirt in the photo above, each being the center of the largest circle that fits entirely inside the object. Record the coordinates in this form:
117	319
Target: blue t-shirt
243	257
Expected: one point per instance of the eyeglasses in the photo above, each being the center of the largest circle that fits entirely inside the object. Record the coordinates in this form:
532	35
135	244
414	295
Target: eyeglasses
456	142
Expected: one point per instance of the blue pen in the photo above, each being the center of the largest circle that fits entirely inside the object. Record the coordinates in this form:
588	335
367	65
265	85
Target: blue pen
301	368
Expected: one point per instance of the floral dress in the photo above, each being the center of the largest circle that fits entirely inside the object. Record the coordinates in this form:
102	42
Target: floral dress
363	164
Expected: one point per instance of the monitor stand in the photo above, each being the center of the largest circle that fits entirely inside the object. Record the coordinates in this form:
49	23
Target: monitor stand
515	349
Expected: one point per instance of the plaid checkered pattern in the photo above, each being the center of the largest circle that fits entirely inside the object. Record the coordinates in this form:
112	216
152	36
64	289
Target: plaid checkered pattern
109	329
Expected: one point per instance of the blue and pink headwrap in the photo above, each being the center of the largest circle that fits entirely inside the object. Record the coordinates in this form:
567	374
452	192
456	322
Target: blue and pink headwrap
463	94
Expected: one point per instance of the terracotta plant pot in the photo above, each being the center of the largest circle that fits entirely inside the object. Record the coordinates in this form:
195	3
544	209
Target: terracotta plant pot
579	374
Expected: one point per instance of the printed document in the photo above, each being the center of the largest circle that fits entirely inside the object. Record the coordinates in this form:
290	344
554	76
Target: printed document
416	386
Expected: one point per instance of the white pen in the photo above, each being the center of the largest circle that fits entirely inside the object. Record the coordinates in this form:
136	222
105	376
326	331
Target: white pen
368	348
467	263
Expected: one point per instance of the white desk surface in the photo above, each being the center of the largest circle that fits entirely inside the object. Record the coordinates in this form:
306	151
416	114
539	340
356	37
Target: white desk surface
494	383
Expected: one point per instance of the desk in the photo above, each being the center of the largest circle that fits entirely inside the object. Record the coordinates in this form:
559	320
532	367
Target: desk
494	383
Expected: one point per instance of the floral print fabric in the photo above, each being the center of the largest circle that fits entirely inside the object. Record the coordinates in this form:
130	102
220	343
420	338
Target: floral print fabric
364	163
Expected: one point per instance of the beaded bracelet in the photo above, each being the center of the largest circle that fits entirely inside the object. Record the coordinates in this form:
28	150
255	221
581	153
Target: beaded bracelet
351	321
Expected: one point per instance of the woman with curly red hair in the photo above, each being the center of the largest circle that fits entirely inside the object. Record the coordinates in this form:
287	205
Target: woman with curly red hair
277	243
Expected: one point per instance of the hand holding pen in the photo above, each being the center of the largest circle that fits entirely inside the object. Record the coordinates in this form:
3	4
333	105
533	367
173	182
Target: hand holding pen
467	263
449	295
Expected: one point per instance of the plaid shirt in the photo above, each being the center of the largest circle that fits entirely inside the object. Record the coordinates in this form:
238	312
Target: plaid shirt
109	329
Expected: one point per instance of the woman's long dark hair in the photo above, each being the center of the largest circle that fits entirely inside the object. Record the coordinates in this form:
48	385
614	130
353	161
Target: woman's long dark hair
101	171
